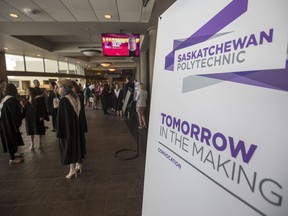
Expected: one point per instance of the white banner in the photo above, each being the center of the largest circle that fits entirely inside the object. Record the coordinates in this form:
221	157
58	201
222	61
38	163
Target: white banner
217	142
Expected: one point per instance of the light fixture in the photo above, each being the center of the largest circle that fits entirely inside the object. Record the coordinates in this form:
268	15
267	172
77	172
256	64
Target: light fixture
105	64
107	16
5	48
112	69
91	52
13	15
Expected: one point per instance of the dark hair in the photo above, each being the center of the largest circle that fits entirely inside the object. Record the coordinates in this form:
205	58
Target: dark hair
76	86
10	89
53	83
36	82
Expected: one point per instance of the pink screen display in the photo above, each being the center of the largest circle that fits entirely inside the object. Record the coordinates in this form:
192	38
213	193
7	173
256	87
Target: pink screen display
121	44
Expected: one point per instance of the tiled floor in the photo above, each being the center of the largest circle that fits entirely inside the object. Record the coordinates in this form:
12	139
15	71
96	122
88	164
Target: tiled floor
107	186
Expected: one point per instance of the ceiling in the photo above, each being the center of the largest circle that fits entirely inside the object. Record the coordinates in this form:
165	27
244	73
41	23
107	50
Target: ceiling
60	29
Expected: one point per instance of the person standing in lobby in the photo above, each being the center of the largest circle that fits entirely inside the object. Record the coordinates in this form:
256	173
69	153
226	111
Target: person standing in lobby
77	89
53	103
70	129
128	87
117	99
10	121
105	98
37	88
141	104
35	115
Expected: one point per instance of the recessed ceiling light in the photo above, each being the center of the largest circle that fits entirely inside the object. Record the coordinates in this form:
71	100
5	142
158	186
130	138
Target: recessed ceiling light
13	15
108	16
5	48
105	64
38	55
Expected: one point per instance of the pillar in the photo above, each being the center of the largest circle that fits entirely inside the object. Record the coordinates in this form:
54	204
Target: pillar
3	71
137	73
143	69
152	48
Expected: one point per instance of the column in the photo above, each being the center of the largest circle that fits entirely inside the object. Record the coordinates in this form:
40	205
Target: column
3	71
137	72
143	68
152	47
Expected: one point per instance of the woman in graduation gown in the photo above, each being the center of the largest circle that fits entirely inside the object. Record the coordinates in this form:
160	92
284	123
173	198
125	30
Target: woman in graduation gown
70	128
35	114
10	121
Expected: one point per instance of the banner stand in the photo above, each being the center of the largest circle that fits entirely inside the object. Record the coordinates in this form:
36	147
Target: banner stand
118	155
127	154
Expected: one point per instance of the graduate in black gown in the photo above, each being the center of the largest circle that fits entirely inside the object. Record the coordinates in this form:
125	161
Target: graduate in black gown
37	88
105	98
35	114
10	121
53	103
77	89
70	128
118	99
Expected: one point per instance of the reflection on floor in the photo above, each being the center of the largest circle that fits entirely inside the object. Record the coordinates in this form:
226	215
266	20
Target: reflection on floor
107	186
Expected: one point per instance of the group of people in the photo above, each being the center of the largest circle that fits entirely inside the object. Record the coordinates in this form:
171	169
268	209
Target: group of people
68	117
112	97
65	102
137	101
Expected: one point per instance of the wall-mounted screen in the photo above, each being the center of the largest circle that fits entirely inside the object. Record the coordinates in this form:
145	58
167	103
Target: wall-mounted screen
121	45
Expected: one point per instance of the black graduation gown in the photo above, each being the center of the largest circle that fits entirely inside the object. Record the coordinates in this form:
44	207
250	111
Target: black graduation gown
105	97
33	113
70	131
50	105
51	97
118	100
82	113
10	121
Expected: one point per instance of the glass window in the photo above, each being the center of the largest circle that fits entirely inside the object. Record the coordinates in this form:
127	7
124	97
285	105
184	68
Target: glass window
78	69
82	71
63	67
14	62
34	64
51	66
71	68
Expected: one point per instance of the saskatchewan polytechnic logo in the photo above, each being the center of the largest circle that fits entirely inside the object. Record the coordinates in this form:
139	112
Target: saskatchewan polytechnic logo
226	53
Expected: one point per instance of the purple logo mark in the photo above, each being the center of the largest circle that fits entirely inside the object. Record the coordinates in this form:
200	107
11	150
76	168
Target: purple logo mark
231	12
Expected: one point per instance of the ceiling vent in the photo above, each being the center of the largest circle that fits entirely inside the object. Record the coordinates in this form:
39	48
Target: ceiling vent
30	11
